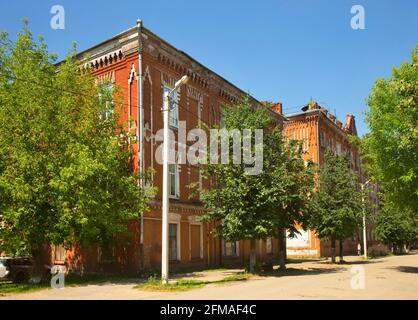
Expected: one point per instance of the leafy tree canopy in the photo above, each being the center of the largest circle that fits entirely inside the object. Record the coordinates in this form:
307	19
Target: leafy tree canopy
258	206
338	206
391	147
65	173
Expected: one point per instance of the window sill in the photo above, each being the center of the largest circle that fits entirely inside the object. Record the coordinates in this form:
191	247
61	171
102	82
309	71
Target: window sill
199	259
174	261
231	257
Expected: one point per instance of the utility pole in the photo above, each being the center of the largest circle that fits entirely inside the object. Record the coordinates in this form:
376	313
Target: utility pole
165	206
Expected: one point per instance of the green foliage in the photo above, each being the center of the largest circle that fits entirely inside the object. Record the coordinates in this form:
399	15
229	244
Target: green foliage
391	147
337	206
257	206
397	227
65	172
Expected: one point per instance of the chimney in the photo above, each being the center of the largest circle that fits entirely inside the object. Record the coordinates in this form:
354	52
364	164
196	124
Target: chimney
331	117
278	107
339	124
349	124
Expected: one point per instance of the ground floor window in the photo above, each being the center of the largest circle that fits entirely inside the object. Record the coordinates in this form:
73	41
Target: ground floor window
58	252
230	249
173	241
269	245
105	254
195	241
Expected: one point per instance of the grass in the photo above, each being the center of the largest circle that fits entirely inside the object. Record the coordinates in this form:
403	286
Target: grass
154	284
8	287
74	280
71	280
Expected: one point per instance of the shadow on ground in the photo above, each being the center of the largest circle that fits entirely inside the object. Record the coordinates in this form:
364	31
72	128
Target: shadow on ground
296	260
199	274
406	269
301	271
347	263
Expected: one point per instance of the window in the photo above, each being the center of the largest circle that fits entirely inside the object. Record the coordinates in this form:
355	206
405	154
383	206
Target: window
338	148
269	245
222	121
195	241
322	138
105	254
173	116
58	252
230	249
108	98
173	180
172	242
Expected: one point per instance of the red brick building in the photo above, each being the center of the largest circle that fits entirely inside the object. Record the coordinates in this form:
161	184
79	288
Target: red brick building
138	56
142	66
319	130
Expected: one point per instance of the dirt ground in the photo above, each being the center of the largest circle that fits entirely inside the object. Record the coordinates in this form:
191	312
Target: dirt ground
394	277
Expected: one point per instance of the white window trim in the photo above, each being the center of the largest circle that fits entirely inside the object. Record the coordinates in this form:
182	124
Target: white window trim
177	186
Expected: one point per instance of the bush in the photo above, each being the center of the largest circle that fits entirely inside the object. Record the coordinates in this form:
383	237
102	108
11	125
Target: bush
378	250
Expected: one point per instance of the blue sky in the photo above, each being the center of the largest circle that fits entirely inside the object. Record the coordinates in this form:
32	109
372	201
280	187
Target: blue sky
283	50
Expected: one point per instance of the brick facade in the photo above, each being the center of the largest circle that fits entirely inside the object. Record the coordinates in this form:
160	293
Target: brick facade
321	131
116	61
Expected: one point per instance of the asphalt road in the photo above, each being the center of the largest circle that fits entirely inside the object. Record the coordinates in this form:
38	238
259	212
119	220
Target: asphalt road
394	277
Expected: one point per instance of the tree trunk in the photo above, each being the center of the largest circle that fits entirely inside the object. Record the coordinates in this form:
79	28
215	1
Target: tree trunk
341	251
38	270
253	256
333	241
282	249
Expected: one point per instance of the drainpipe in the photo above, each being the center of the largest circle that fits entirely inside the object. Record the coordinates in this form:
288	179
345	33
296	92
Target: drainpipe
319	151
141	136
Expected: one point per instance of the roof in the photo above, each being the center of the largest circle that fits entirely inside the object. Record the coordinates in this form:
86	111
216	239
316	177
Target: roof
149	32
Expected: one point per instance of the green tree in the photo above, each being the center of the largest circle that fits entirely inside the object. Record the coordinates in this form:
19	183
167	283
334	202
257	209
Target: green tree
65	173
397	228
390	149
337	202
252	207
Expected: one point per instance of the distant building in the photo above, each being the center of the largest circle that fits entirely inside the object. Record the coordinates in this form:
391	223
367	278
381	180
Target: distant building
319	130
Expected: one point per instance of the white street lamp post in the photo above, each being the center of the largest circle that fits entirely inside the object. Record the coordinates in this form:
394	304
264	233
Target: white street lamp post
364	219
166	148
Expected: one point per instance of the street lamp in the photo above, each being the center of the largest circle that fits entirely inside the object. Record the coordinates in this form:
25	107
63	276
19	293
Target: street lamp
166	148
364	218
